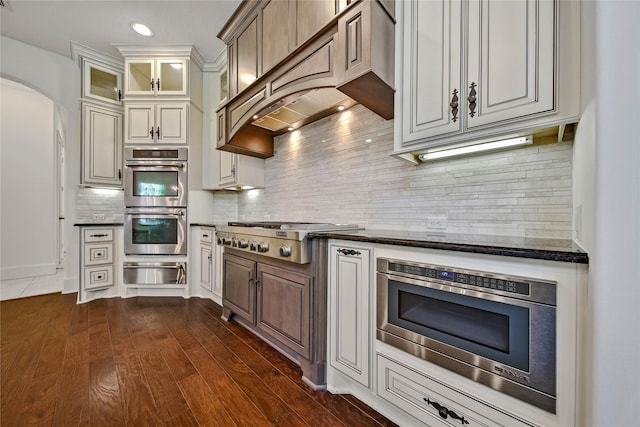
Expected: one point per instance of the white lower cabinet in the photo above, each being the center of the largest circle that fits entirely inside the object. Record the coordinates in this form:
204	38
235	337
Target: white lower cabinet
98	278
431	401
350	331
206	264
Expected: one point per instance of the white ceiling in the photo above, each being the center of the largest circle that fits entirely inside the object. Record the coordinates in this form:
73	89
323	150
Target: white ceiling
98	24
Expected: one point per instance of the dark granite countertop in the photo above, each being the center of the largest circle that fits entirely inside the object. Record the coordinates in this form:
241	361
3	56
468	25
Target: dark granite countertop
98	224
206	224
524	247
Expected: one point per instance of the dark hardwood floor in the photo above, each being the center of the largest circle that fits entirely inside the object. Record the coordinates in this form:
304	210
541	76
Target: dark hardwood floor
151	361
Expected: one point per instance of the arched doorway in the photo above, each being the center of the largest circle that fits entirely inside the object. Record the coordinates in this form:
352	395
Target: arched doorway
31	202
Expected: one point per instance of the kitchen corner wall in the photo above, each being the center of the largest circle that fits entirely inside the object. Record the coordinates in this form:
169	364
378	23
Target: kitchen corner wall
328	172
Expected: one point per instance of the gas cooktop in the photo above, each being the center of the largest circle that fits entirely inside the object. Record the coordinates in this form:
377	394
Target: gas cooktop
285	240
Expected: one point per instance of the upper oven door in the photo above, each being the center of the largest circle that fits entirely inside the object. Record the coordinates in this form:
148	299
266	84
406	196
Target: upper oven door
151	184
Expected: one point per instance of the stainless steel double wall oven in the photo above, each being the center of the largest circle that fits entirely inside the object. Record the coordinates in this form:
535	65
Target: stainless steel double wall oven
495	329
156	201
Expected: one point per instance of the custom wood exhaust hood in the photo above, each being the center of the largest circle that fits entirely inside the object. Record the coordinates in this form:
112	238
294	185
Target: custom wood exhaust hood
291	62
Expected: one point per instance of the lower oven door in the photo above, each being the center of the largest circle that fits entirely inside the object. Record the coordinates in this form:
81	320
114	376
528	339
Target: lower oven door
155	273
155	231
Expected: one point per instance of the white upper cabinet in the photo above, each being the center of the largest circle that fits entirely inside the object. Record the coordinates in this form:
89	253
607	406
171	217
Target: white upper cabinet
511	60
166	76
156	123
101	145
432	75
101	83
478	69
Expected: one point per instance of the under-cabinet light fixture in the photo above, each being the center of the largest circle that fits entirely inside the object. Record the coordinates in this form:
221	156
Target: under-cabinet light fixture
340	107
141	29
289	128
477	148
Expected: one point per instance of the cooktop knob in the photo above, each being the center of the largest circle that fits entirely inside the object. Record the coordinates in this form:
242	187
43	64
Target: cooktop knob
263	247
226	241
285	250
253	246
243	244
234	243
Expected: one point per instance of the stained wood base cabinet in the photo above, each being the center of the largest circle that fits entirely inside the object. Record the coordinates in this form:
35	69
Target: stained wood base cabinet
282	302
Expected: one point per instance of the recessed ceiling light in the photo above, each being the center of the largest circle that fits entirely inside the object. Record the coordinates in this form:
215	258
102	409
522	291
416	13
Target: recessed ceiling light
340	107
141	29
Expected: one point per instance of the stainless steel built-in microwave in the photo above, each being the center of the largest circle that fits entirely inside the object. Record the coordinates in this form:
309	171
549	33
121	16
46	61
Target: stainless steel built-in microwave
495	329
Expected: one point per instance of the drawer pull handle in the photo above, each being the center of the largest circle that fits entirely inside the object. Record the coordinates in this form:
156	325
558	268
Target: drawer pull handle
444	412
454	105
99	235
349	252
472	98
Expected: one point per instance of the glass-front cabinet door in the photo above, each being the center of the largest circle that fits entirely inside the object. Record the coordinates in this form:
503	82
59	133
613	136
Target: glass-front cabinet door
156	77
140	78
101	83
171	78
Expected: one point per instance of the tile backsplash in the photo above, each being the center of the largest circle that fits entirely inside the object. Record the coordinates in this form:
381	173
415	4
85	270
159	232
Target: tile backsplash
99	205
338	169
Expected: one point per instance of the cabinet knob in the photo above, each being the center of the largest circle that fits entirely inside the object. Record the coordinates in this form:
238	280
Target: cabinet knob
119	95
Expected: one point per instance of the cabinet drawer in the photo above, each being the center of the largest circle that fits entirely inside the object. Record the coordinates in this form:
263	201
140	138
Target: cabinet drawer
98	235
98	253
206	235
98	277
433	402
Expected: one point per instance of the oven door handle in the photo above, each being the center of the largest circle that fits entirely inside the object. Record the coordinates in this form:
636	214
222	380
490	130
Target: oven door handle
180	165
156	215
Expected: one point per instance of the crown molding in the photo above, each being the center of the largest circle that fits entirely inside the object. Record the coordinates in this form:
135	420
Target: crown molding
79	51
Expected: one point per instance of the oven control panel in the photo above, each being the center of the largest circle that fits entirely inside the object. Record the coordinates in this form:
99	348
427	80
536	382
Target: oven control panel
521	287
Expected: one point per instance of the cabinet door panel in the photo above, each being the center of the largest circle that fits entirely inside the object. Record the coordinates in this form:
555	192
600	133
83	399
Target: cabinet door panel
101	83
227	167
247	56
172	76
102	146
172	121
206	255
432	68
349	314
312	15
275	33
139	75
239	290
283	308
139	122
511	59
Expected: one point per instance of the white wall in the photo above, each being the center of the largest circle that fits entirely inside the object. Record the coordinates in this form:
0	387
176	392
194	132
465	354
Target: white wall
28	192
615	258
57	77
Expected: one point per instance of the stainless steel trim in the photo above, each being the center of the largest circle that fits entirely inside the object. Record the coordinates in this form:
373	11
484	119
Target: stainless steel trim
537	386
